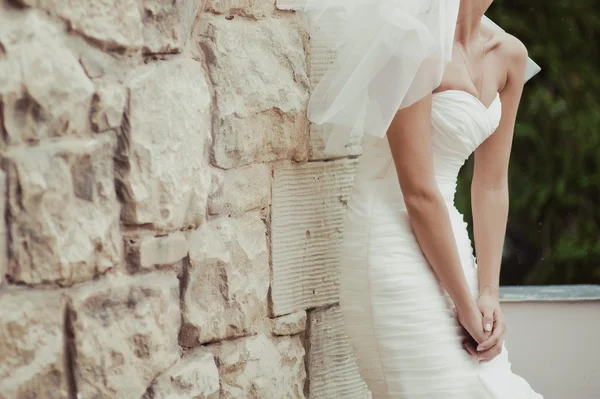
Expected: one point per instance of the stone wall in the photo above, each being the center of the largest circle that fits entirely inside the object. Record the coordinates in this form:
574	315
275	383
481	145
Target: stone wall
171	222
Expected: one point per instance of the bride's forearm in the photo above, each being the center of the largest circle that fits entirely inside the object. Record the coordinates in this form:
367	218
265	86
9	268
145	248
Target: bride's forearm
431	224
410	141
490	214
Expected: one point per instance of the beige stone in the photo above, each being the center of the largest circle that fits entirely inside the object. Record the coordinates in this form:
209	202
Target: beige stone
108	105
111	24
167	24
322	54
318	142
125	333
43	88
228	280
195	376
64	215
256	9
100	64
260	78
163	173
309	201
242	189
32	349
290	324
262	367
92	122
264	137
286	5
147	251
3	232
332	369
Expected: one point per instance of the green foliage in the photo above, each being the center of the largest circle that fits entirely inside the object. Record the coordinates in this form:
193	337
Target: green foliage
553	234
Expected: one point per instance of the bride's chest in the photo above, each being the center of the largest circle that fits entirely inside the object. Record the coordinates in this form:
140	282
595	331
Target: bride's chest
460	123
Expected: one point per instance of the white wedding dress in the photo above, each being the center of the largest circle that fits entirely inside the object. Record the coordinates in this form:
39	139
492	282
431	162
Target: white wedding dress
397	316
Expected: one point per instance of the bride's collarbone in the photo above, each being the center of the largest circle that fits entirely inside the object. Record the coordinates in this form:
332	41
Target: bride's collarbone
487	98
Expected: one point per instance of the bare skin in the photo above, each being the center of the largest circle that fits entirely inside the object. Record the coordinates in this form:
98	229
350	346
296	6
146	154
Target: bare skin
496	64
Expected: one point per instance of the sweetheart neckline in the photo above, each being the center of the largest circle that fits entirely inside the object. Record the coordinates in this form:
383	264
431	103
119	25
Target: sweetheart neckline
472	96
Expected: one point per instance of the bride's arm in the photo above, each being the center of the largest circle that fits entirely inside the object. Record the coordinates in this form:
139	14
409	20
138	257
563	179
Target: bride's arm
489	188
409	136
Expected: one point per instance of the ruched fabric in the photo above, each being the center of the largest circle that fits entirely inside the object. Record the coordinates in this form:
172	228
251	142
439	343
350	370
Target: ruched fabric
398	318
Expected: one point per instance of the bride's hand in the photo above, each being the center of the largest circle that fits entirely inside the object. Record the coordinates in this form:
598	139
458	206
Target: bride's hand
472	321
493	321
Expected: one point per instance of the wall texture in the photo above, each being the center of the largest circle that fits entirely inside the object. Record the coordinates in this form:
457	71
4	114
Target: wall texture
171	223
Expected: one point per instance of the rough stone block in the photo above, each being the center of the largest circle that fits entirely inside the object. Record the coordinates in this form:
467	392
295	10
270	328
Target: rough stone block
256	9
163	176
195	376
103	65
124	334
44	91
260	79
289	324
3	232
260	367
108	105
32	350
147	251
287	5
332	369
111	24
228	280
167	24
322	54
321	150
309	201
64	214
242	189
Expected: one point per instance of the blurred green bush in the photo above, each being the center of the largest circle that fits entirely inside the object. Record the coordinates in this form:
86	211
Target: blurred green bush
553	234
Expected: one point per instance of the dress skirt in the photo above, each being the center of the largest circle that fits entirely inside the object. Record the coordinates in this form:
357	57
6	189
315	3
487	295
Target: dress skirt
399	320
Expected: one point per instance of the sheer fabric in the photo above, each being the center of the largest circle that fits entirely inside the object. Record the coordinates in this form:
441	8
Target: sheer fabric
388	55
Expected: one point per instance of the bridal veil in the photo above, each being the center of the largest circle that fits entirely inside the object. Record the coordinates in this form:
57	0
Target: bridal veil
388	54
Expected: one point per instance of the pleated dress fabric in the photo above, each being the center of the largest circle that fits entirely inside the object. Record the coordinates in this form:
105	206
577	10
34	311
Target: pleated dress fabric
398	318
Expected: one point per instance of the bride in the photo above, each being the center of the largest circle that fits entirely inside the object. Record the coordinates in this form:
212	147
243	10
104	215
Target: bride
430	83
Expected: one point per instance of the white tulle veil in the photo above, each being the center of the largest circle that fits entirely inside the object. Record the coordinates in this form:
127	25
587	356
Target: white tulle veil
387	54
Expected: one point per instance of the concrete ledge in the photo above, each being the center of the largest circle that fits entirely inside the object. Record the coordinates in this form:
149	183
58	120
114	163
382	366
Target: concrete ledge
552	339
550	293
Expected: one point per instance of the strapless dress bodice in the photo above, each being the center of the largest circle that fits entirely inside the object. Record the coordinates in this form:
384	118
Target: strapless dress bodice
460	122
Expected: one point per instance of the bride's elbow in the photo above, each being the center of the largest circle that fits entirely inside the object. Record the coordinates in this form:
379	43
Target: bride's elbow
422	200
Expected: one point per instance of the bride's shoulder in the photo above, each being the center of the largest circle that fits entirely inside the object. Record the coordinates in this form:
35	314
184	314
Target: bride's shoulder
508	51
507	46
513	49
514	56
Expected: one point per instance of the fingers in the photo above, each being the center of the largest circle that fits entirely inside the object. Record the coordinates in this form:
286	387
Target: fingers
470	348
469	345
480	335
489	343
488	320
492	347
484	356
473	324
490	354
496	337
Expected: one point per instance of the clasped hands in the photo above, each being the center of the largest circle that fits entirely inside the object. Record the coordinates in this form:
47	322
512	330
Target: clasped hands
485	327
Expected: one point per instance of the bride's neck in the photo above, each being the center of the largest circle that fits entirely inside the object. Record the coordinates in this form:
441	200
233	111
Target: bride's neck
469	20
